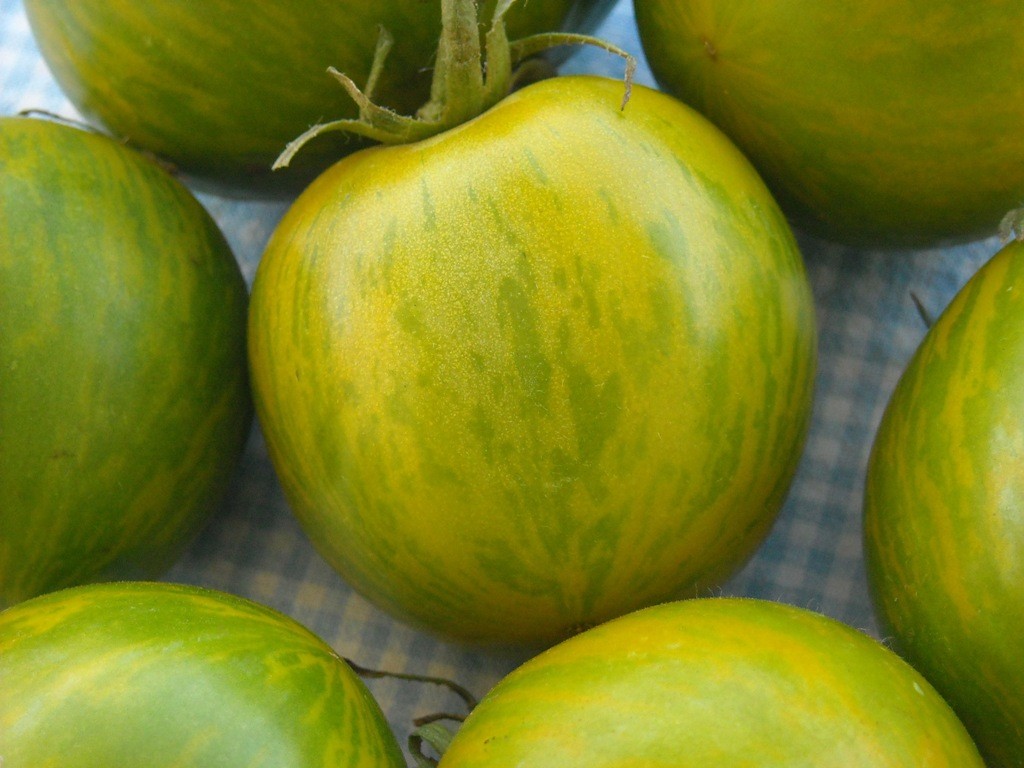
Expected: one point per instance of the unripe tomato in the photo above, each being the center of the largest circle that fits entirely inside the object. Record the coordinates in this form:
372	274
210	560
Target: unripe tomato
540	369
872	122
122	675
729	683
125	393
944	508
219	87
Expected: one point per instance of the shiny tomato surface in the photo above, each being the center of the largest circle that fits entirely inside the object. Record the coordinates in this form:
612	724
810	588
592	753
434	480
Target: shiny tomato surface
538	370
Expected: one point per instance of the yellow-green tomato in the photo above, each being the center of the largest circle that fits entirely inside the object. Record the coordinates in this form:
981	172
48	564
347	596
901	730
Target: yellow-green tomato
728	683
539	370
129	674
944	508
124	394
872	122
219	87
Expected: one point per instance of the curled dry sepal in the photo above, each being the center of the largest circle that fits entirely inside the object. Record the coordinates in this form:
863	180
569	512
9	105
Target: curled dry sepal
429	730
1012	225
468	79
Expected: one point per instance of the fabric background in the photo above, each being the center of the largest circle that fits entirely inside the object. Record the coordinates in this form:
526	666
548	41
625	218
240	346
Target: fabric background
868	328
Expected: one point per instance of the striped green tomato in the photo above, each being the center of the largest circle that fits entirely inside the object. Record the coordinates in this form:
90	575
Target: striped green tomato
130	674
722	682
878	121
125	399
539	370
944	508
219	87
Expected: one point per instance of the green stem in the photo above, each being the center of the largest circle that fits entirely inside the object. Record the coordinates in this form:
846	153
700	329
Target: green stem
468	80
459	70
380	54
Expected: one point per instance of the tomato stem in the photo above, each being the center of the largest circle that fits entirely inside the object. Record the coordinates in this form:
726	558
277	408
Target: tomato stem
380	54
463	693
468	78
428	729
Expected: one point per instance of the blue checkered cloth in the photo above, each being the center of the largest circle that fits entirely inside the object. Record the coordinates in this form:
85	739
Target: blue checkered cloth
869	327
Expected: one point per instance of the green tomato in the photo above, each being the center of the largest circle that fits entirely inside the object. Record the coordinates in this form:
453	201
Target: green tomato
131	674
872	122
123	370
220	87
730	683
539	370
944	508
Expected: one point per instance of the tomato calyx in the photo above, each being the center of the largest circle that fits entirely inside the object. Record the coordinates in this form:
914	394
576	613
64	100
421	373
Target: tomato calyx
430	732
469	78
428	729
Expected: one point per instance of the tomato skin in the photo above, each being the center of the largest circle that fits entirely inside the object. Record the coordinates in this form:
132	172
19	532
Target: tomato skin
879	123
123	366
944	508
494	369
130	674
219	88
721	682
